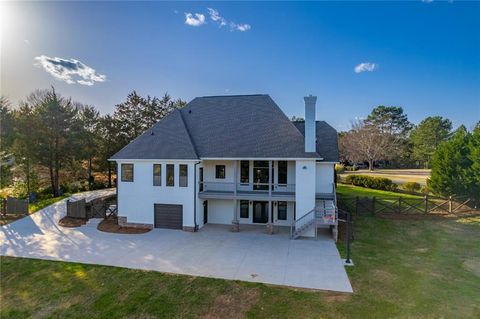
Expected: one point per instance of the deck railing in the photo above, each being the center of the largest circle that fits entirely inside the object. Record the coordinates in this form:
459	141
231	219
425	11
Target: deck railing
246	187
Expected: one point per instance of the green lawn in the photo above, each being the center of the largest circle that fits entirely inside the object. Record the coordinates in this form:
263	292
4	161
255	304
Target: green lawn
403	269
345	190
33	207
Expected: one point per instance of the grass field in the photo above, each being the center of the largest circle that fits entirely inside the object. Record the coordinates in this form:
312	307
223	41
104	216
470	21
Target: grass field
345	190
32	208
403	269
399	176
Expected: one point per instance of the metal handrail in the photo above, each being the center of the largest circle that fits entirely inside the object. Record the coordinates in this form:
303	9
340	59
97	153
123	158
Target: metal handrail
295	222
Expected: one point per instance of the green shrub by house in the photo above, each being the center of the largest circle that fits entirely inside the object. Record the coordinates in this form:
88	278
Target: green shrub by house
371	182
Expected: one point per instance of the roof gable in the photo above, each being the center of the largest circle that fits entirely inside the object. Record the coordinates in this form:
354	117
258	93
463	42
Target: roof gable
327	140
168	139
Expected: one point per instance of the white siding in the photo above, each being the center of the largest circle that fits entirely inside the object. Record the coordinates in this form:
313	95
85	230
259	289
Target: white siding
305	188
325	177
136	199
220	211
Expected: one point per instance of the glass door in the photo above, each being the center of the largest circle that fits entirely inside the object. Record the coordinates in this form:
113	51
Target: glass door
260	175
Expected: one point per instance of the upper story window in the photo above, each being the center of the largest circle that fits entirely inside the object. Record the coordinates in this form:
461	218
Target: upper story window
220	171
170	175
127	172
157	174
183	179
282	172
244	171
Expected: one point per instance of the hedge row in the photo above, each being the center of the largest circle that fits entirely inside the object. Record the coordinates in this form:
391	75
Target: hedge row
371	182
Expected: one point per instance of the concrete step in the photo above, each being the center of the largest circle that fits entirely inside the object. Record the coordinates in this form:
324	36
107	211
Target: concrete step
93	222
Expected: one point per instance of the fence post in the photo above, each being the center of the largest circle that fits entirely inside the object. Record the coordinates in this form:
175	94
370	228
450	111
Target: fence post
426	203
449	204
4	207
399	205
373	205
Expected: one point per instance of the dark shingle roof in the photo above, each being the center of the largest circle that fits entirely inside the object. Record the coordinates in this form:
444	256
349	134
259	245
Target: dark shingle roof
241	126
170	140
327	144
247	126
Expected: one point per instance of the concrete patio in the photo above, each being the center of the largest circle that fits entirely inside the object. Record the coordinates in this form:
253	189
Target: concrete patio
250	255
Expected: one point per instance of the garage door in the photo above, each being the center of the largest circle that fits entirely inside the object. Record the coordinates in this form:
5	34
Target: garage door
168	216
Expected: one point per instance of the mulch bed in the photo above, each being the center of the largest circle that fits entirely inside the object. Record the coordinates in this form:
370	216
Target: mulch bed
71	222
110	225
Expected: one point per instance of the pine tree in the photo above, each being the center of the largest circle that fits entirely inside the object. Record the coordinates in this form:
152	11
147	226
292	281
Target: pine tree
451	166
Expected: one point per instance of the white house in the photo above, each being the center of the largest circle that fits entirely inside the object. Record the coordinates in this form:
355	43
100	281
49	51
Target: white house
230	160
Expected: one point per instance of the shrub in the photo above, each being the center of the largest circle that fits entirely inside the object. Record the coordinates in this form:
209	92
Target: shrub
411	187
371	182
351	168
339	168
425	190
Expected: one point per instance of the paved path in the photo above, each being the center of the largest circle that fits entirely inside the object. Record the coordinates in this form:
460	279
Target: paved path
249	255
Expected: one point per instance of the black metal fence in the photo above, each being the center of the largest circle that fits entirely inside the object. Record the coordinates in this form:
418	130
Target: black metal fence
97	208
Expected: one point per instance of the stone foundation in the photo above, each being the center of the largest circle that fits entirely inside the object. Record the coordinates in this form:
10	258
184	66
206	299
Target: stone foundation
235	226
122	222
270	230
189	228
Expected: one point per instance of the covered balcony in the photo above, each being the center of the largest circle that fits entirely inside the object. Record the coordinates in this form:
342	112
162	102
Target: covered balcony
260	191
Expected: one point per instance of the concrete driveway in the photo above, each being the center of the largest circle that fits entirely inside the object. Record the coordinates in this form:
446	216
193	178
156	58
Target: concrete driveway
249	255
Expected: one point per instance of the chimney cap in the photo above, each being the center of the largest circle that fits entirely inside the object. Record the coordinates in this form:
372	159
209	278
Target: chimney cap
310	99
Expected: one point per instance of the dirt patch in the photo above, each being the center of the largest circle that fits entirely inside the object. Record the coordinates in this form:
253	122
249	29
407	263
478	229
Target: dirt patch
472	265
110	225
337	297
71	222
233	303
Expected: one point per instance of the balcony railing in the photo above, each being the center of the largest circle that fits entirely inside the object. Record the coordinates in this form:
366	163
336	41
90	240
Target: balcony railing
225	187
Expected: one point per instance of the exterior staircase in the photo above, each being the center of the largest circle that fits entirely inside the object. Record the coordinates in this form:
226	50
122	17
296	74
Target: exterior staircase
325	213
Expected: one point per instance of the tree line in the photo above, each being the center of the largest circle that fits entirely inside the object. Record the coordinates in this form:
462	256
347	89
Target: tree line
386	135
70	142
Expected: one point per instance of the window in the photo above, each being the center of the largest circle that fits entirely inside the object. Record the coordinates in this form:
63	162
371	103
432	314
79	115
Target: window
170	175
244	172
244	206
157	174
183	182
220	171
282	210
260	175
282	172
127	172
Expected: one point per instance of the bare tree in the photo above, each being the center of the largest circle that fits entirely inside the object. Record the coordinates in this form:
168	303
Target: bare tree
365	143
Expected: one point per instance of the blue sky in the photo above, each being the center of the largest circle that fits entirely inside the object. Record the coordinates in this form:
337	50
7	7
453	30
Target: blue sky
423	56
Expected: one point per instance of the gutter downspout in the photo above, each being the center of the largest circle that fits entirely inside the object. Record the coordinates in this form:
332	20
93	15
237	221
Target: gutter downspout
195	227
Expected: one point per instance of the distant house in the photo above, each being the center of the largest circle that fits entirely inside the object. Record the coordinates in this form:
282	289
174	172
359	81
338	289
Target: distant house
230	160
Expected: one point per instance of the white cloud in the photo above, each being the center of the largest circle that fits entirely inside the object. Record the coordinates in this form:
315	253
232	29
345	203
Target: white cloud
243	27
215	16
69	70
196	21
366	66
221	21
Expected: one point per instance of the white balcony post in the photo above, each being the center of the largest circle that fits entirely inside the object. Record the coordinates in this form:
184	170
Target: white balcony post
235	222
270	224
